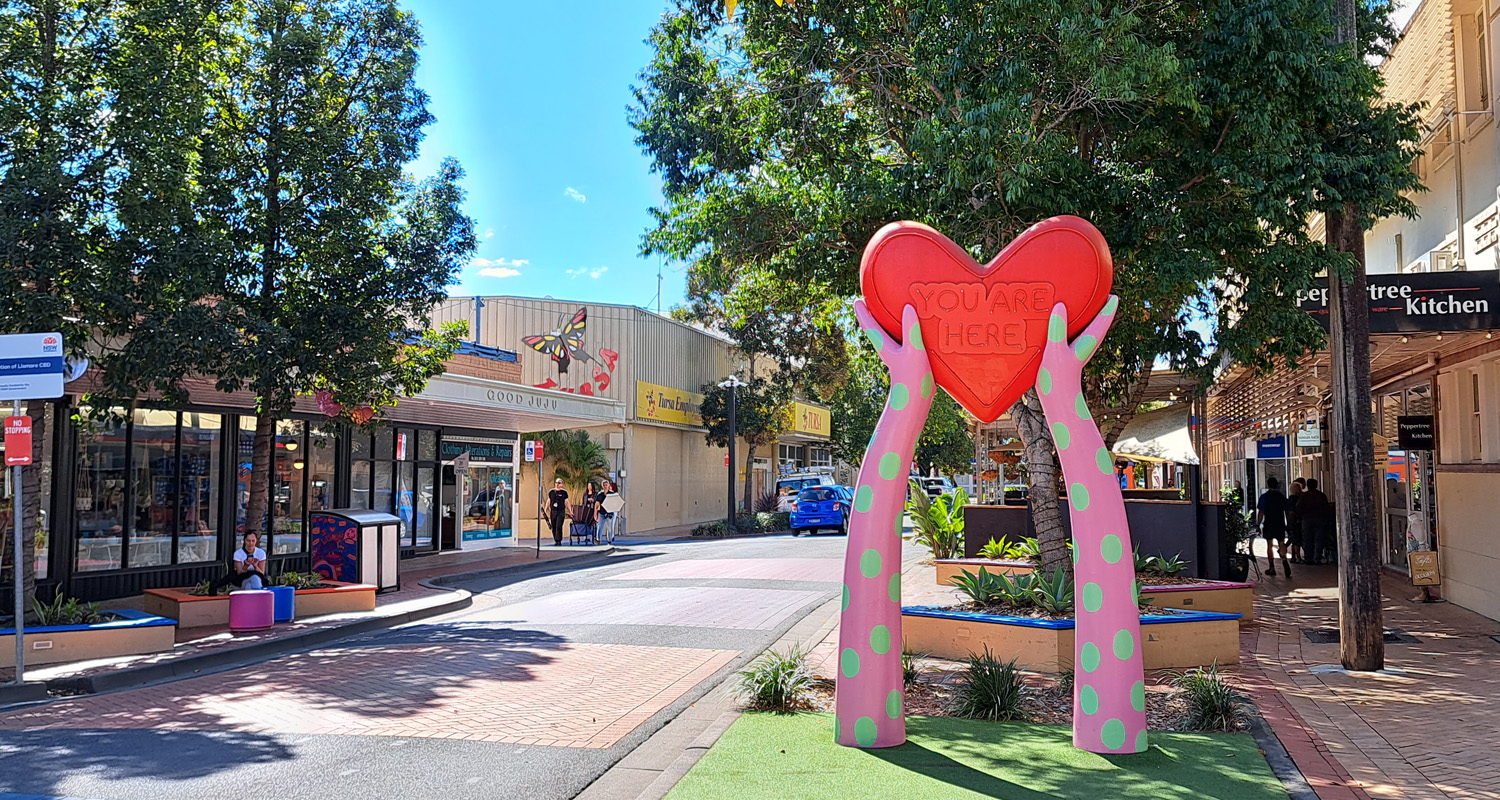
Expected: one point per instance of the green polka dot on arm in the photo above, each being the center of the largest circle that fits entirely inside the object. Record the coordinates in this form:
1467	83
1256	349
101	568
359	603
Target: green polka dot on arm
1088	700
914	337
849	662
1113	734
1140	742
1111	548
1093	597
890	466
1081	407
876	338
869	563
1084	347
893	704
1060	435
1088	657
880	640
1105	460
1057	328
846	598
895	587
1044	381
1124	644
927	386
1078	496
864	731
1138	696
899	396
863	498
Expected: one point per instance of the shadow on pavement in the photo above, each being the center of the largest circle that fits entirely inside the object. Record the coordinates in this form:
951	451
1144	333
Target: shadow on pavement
37	762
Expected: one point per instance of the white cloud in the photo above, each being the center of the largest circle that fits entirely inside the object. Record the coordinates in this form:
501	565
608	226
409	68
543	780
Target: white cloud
499	272
595	273
489	233
598	273
499	262
575	195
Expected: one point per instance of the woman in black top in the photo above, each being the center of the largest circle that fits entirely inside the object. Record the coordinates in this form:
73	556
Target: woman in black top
557	509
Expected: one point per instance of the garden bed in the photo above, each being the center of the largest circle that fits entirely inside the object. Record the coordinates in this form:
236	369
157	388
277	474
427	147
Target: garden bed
950	568
1198	594
1176	640
197	611
126	633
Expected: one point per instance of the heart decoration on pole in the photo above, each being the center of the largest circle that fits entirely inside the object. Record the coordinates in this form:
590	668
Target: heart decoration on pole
984	326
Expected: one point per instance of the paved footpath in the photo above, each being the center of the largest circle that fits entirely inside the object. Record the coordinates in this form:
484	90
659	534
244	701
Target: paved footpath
531	693
1425	729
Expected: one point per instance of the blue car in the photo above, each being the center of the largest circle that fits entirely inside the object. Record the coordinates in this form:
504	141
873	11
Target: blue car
822	507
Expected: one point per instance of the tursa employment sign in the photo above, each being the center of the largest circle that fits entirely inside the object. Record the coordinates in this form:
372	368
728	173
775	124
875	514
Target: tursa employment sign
1425	301
31	366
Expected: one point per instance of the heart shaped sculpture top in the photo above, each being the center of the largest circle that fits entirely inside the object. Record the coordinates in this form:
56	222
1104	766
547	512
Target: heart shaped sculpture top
985	326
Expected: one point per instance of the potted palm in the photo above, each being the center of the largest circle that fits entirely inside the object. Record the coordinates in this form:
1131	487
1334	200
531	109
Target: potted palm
1236	535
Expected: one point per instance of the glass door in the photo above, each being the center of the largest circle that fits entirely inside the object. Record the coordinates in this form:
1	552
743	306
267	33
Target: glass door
489	503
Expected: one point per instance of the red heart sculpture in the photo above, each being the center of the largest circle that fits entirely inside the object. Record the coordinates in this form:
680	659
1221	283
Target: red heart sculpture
985	326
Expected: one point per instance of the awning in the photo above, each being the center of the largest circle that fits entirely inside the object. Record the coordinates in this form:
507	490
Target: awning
1160	435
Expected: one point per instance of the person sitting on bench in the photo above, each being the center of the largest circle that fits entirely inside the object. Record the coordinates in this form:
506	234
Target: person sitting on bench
249	567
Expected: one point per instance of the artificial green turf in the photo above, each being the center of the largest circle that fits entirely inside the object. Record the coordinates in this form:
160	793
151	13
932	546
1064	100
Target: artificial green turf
786	757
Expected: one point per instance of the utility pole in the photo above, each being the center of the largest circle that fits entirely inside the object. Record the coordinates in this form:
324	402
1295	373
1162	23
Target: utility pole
732	383
1361	627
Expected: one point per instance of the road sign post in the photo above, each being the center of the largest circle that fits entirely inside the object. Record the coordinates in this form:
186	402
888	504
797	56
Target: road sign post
534	453
31	367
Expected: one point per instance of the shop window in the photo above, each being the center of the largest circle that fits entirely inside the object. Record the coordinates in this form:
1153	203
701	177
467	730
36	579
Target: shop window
153	474
382	492
385	444
288	487
1474	55
198	488
427	445
819	457
359	484
423	518
321	455
1476	435
99	499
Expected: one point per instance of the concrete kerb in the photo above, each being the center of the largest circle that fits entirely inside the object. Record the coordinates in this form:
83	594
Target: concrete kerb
651	770
580	561
1282	765
231	658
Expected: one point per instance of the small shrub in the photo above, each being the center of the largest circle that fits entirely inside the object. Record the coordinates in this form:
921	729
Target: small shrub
714	529
1156	565
910	669
1213	705
982	588
776	681
747	523
991	690
203	589
67	611
1029	550
773	521
298	580
767	502
937	523
1002	551
1053	594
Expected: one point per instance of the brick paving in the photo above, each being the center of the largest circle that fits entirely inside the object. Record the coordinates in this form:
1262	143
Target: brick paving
1424	729
697	607
469	682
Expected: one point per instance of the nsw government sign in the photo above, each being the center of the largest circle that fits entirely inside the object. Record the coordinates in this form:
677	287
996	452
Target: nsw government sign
31	366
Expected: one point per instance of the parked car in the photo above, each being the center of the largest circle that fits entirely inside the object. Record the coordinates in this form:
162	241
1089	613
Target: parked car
822	507
937	487
791	485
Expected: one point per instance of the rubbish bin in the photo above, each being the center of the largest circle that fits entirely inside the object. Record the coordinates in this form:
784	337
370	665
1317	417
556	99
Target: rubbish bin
357	546
284	601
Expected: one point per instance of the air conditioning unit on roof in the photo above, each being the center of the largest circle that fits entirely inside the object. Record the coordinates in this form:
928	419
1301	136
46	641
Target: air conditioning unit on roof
1444	261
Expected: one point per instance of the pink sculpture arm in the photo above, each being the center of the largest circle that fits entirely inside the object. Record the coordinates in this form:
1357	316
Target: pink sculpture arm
1109	688
868	700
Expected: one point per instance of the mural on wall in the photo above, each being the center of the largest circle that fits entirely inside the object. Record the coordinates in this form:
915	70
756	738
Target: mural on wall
985	334
564	344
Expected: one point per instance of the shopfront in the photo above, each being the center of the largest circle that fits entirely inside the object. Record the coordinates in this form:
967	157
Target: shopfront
479	504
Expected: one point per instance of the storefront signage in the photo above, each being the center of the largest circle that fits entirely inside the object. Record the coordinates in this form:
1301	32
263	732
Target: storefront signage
478	452
665	404
1274	447
1426	301
811	419
17	441
1424	568
1414	432
1309	436
31	366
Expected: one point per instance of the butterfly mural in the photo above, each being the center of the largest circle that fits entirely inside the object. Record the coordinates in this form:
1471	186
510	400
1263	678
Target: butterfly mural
565	342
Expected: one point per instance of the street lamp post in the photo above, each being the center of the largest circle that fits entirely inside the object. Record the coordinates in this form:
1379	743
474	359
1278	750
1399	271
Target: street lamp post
732	383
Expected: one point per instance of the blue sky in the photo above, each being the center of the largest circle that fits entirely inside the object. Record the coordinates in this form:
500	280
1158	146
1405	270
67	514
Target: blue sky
531	98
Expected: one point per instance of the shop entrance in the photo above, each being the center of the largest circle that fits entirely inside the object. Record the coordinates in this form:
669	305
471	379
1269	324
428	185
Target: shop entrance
479	505
1407	495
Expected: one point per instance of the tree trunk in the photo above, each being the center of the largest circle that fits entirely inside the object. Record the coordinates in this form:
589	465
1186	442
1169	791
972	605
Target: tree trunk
749	478
1361	628
260	478
1041	473
31	500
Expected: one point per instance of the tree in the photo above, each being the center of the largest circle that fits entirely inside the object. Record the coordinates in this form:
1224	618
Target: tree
762	412
334	255
576	458
1192	134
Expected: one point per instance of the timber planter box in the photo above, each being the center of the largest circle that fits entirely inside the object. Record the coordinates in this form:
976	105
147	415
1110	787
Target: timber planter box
194	611
126	633
1223	597
950	568
1178	640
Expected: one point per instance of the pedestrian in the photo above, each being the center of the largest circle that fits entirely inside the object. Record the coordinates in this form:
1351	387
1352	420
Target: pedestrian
1271	516
557	510
1317	523
249	567
1294	518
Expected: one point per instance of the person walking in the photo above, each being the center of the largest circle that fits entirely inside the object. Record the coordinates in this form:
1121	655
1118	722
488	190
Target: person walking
1317	522
557	510
1271	516
1294	518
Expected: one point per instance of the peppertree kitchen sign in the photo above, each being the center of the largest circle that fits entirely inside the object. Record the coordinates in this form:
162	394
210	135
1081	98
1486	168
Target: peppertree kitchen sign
1429	301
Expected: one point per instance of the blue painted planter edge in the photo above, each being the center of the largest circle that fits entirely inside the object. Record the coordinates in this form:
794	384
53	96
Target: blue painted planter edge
1056	624
129	618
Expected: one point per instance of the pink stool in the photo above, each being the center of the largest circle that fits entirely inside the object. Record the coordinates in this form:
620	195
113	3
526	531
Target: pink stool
251	610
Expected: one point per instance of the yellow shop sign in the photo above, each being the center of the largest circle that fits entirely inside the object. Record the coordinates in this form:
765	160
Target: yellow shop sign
665	404
811	419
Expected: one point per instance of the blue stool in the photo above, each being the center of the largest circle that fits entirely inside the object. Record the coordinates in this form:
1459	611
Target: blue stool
284	603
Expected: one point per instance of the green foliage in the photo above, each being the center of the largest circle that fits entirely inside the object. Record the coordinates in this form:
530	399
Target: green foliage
298	580
1002	551
937	523
945	443
1157	565
991	690
1199	137
773	521
776	681
762	412
716	530
1237	533
1054	593
204	588
1051	593
768	502
576	458
1031	550
911	667
1212	704
67	611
